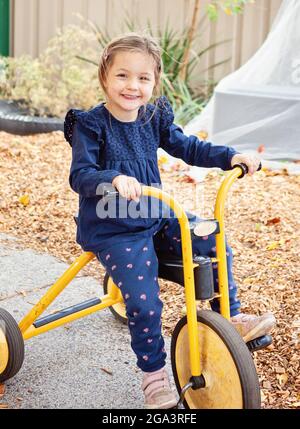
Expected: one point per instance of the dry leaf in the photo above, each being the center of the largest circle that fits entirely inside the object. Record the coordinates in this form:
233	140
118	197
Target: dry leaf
273	221
188	179
203	135
108	371
162	160
279	370
267	385
24	199
282	379
275	245
261	148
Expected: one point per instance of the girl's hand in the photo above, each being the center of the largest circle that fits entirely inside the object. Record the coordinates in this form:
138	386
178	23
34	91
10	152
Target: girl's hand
128	187
251	161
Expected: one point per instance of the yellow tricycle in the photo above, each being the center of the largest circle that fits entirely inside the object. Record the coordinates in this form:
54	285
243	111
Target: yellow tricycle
212	365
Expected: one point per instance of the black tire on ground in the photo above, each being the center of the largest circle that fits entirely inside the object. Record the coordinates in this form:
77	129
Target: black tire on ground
227	365
15	343
117	310
17	121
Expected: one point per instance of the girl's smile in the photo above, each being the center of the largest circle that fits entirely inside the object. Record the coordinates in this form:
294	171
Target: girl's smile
129	84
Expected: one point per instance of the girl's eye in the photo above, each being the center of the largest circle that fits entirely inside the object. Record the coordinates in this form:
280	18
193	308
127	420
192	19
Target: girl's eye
145	78
121	75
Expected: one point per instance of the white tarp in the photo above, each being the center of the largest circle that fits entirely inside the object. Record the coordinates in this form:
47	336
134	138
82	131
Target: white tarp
259	104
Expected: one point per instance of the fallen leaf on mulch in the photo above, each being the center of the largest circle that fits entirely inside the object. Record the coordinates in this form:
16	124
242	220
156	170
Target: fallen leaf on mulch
273	221
203	135
275	244
24	199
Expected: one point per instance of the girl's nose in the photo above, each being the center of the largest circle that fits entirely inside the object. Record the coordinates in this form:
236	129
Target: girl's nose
132	84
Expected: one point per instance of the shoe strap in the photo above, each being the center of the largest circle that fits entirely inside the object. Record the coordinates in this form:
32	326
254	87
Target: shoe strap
156	386
155	382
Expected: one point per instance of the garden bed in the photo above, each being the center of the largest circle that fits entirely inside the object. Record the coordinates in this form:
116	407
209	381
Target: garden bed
262	222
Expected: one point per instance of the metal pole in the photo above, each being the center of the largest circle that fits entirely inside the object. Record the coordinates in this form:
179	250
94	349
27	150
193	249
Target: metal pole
4	27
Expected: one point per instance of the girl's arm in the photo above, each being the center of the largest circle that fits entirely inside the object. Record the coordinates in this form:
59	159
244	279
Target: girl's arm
194	151
85	172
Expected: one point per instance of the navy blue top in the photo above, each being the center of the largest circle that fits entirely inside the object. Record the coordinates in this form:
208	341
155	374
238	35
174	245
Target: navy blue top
104	147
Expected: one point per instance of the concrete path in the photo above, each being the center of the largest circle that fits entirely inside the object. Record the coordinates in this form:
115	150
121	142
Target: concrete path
86	364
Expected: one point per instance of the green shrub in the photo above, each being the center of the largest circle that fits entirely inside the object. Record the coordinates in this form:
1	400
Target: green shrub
55	81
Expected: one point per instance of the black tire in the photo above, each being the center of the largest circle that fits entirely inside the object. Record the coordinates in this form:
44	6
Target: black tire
225	356
117	310
16	120
15	343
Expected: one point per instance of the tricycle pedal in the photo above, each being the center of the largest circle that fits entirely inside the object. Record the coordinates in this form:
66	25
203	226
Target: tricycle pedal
259	343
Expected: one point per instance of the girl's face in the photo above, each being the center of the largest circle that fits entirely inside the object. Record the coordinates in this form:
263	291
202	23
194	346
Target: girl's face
129	84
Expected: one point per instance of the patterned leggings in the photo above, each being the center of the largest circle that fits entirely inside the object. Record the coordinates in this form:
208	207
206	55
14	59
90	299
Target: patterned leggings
133	266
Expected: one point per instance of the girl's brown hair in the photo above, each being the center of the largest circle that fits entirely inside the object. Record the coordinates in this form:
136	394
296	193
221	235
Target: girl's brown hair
131	42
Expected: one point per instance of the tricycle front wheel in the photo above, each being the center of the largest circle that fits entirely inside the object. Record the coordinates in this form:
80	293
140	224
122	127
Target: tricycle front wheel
227	366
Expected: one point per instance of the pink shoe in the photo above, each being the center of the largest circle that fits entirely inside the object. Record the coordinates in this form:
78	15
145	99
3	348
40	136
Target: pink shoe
157	390
251	327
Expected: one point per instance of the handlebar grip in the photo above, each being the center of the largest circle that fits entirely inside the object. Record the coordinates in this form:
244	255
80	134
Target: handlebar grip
245	169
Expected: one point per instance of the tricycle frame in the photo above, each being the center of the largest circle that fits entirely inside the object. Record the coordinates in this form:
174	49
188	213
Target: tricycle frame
29	330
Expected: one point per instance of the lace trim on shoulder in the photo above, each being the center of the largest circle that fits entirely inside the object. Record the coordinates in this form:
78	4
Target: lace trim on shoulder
90	120
167	114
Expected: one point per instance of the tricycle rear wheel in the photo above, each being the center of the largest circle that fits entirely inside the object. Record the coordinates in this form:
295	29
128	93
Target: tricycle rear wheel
227	366
118	310
11	346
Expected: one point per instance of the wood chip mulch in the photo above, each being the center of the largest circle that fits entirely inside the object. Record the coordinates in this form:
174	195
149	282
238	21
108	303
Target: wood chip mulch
262	224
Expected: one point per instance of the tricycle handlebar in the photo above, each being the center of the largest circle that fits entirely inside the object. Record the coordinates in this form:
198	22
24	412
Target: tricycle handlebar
243	167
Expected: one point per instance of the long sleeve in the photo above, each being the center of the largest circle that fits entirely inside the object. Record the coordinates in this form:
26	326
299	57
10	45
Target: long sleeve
85	172
194	151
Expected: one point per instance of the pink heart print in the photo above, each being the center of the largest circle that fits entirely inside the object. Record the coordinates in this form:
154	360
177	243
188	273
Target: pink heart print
120	284
148	263
146	330
127	296
140	277
107	257
143	297
145	357
129	265
128	249
149	341
113	267
145	249
151	312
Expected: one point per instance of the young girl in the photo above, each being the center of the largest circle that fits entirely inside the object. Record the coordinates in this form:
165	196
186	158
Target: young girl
116	143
